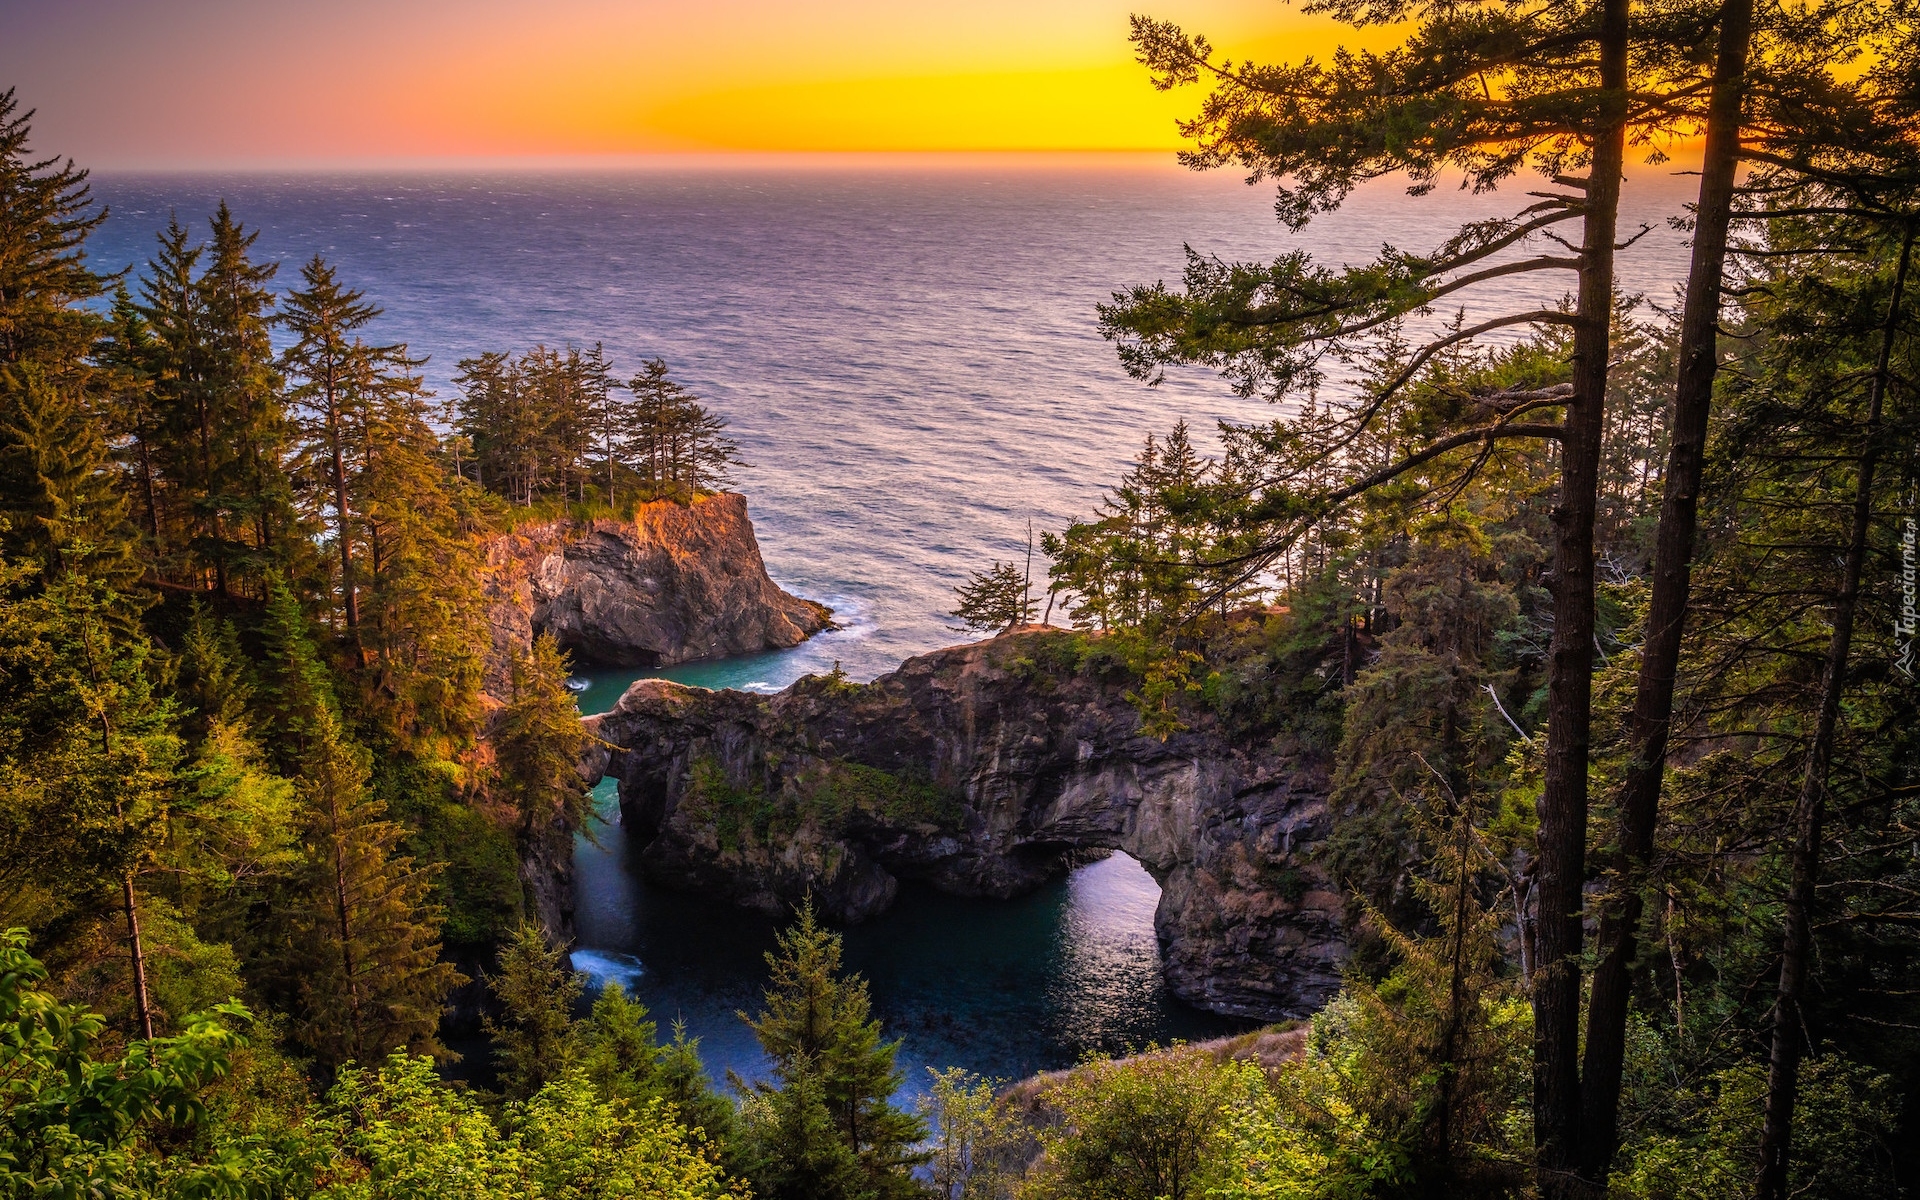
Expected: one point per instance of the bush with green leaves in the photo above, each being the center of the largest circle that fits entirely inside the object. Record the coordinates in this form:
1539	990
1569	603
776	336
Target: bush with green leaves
73	1124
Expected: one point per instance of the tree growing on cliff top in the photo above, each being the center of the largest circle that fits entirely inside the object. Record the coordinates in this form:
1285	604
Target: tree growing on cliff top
996	599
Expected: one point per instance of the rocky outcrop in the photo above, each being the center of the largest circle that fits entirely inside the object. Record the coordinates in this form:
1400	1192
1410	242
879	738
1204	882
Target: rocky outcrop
985	770
678	582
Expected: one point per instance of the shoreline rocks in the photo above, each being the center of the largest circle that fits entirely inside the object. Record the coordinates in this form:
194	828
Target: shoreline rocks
985	770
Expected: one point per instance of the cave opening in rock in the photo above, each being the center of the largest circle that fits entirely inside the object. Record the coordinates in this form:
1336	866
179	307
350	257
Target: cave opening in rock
1002	987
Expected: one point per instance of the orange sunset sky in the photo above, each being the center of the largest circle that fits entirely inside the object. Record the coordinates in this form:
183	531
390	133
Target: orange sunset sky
155	83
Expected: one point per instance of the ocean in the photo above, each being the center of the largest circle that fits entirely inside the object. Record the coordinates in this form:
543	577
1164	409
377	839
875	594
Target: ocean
908	352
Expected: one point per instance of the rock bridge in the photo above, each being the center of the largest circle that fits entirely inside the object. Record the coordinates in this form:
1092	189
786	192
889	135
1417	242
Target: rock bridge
985	770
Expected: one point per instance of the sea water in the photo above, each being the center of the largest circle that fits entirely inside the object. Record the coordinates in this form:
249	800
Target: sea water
909	354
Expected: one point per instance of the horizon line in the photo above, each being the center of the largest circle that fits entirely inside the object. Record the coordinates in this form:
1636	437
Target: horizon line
641	160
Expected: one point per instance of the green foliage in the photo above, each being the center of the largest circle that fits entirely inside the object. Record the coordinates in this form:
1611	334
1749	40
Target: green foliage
364	948
996	599
1698	1142
538	740
535	1041
621	1054
73	1125
826	1128
1147	1128
539	427
835	795
477	876
980	1144
406	1137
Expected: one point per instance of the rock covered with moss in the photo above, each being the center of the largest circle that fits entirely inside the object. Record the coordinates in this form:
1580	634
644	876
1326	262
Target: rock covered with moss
986	770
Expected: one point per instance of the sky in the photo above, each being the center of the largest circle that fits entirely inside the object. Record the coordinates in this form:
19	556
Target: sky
224	83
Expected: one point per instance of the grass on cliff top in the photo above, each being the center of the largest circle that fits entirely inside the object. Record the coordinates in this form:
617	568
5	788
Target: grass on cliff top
628	501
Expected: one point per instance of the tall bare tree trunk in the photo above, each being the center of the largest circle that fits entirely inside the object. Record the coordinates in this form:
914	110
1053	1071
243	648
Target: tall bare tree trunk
1667	606
141	1008
1783	1069
1562	837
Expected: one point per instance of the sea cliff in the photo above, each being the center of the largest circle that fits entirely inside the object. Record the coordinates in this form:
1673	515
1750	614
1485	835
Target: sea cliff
986	769
678	582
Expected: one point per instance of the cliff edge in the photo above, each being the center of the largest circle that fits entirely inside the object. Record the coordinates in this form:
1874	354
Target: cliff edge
985	770
678	582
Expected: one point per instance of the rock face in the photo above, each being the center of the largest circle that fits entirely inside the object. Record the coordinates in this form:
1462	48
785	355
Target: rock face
679	582
985	770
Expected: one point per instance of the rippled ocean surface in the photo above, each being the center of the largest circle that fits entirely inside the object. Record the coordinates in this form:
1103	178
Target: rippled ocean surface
908	352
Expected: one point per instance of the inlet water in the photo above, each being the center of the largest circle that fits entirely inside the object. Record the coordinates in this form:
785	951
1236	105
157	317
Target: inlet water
1002	987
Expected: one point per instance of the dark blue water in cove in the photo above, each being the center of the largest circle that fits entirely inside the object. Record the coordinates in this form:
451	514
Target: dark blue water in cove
910	359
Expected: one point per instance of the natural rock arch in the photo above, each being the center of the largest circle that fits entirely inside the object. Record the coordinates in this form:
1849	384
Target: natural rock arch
985	770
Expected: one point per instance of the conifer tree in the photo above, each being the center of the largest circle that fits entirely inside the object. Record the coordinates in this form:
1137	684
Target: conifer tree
247	392
535	1041
995	600
620	1053
172	306
293	687
423	619
830	1129
57	495
365	935
46	213
127	356
1563	106
324	366
538	741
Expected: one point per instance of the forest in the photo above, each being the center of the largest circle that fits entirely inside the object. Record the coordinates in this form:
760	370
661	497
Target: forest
1601	611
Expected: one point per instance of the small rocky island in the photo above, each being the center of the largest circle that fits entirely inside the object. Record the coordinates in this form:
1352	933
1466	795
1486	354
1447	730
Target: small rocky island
678	582
985	770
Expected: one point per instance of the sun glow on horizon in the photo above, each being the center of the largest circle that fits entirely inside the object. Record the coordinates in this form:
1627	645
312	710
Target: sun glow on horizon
119	83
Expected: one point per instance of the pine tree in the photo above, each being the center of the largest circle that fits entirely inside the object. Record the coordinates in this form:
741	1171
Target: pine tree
365	935
621	1054
244	382
995	600
423	617
538	741
536	1040
832	1130
57	495
127	357
46	213
172	307
294	689
325	364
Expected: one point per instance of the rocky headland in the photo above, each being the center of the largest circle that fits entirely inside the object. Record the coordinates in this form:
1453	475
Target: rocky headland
985	770
678	582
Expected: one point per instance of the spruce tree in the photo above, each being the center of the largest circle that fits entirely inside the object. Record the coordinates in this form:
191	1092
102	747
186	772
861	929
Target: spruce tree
830	1129
620	1052
325	364
244	381
365	934
294	689
538	740
535	1041
46	214
172	306
995	600
58	499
